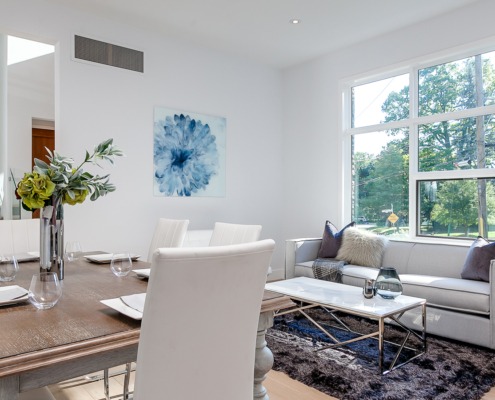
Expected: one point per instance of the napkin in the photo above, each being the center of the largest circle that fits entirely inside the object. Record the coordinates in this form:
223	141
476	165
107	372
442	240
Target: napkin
134	301
9	293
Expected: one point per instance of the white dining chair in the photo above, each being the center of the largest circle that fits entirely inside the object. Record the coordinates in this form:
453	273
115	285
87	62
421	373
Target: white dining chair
226	233
198	332
19	236
168	233
222	234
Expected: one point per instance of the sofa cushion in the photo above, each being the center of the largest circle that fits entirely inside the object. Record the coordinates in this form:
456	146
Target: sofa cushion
449	293
452	293
361	247
477	264
356	275
331	240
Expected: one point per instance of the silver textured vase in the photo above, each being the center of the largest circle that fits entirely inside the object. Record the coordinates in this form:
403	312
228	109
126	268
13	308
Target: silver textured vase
52	238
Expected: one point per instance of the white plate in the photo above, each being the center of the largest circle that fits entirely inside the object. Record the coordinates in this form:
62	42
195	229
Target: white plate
27	256
118	305
106	258
143	273
16	292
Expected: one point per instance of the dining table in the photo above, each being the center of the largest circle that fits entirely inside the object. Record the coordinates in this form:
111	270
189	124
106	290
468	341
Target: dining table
80	335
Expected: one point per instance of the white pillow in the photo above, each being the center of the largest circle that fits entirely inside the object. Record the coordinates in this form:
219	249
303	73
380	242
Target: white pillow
360	247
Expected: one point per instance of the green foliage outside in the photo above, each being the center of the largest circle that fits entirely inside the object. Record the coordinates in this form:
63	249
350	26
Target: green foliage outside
449	208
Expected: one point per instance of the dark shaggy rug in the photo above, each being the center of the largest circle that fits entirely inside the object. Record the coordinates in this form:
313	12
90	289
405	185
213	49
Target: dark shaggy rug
449	369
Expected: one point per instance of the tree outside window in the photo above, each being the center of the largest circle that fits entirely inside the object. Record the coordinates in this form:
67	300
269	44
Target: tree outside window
454	134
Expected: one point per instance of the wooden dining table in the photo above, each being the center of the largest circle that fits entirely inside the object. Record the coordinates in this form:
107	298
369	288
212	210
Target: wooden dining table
80	335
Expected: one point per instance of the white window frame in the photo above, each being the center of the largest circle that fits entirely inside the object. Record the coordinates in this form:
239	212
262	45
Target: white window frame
412	123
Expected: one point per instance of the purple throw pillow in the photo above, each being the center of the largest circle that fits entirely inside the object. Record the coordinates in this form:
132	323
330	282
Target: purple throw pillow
477	264
331	240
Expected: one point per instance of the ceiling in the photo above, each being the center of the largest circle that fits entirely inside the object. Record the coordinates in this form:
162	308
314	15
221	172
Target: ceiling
259	30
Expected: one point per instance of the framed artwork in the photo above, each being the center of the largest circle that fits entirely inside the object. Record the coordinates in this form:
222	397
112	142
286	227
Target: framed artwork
188	154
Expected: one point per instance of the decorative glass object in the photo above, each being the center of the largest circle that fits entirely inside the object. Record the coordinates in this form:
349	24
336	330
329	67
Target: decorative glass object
387	283
369	288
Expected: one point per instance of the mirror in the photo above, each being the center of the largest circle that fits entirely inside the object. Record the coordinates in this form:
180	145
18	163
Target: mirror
30	106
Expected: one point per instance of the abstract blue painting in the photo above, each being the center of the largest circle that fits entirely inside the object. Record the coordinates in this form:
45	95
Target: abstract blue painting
188	154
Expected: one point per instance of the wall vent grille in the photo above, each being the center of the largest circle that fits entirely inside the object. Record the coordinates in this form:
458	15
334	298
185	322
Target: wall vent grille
108	54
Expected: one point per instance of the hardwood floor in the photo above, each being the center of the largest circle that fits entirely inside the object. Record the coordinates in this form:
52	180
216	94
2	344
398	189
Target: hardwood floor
279	386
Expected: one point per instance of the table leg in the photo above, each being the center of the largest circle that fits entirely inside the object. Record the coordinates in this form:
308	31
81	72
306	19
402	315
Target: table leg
263	361
9	388
381	330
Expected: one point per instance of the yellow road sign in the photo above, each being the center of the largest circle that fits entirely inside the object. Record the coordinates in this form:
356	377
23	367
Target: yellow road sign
393	218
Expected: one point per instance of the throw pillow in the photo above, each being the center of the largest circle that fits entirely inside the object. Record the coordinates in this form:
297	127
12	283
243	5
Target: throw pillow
331	240
477	264
363	248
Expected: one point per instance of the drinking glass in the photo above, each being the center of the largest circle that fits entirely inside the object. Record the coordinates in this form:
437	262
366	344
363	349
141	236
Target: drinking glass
45	290
121	264
73	251
8	267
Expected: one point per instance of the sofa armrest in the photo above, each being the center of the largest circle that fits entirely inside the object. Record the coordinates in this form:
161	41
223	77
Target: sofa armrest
492	302
299	251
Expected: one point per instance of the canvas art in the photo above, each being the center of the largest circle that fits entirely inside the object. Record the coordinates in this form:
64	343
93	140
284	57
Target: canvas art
189	154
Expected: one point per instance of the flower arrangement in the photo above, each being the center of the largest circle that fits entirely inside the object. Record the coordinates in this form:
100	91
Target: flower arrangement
62	181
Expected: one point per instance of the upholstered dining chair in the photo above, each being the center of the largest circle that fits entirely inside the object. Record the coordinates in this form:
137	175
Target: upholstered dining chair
198	331
168	233
225	233
222	234
19	236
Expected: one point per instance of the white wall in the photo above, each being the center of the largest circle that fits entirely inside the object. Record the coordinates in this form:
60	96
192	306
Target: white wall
96	102
312	143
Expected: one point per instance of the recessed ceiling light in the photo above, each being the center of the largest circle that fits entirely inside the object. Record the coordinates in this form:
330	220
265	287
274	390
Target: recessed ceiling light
295	21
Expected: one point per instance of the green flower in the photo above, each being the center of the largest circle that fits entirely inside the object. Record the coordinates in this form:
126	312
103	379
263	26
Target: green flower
60	179
75	196
34	189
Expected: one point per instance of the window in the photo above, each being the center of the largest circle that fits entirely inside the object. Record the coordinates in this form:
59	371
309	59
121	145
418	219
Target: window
422	144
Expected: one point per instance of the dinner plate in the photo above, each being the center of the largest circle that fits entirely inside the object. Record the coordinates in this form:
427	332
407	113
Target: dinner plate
16	294
27	256
143	273
106	258
118	305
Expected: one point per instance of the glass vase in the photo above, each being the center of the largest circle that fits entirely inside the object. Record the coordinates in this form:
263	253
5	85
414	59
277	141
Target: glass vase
388	284
52	238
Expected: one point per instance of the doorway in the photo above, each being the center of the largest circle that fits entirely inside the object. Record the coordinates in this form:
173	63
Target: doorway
43	138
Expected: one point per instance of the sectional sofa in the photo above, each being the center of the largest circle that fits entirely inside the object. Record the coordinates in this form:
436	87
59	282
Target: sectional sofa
457	308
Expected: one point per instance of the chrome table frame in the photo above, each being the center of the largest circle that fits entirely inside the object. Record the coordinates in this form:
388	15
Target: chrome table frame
306	300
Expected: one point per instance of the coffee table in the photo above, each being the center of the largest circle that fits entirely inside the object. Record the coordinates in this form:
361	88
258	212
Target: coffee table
310	293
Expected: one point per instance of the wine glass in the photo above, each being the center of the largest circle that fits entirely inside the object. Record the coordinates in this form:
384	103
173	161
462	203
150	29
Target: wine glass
73	251
8	267
45	290
121	264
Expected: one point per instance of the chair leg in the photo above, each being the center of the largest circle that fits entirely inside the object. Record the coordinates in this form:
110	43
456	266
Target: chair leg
127	378
106	384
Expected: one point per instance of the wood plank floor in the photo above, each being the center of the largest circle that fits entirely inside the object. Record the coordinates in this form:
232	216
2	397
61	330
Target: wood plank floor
279	386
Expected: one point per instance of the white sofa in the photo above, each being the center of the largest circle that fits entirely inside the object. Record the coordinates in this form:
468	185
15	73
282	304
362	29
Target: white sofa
457	308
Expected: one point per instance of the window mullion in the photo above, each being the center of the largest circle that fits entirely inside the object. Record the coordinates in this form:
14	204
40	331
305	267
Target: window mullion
413	152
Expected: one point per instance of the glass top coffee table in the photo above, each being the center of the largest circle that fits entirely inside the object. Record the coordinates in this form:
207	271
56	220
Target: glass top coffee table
310	293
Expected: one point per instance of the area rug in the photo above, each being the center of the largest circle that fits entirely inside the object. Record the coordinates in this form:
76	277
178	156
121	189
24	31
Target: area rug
449	369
